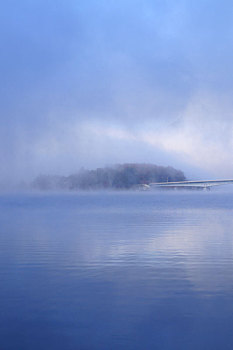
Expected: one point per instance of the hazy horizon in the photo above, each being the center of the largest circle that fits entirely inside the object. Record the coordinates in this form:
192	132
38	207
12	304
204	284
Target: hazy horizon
94	83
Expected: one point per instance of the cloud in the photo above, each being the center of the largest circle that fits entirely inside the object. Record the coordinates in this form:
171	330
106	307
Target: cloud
99	82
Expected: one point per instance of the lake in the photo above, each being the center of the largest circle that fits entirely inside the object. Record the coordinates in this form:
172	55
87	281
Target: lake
112	271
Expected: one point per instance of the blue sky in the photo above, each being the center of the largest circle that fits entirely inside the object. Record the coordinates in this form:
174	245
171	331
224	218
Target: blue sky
92	83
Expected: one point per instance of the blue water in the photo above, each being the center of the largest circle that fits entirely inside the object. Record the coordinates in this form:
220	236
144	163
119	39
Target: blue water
114	271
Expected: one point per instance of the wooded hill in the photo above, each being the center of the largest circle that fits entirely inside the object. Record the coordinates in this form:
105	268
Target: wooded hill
121	176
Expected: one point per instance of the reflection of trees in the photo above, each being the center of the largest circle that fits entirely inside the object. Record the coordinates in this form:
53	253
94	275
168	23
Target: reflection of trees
122	176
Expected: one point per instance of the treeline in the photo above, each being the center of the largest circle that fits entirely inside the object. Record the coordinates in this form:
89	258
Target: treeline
122	176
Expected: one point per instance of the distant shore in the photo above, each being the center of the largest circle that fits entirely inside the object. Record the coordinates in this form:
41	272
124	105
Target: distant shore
117	177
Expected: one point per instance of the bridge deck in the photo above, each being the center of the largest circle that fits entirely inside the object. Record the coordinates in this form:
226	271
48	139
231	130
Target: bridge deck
198	183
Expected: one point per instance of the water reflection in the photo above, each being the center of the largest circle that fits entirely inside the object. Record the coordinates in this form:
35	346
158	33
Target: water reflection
126	271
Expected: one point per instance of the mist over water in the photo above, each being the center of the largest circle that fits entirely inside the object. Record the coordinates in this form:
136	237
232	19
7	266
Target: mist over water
99	83
86	85
116	270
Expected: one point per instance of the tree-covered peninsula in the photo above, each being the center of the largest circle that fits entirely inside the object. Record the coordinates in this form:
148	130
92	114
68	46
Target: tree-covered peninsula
121	176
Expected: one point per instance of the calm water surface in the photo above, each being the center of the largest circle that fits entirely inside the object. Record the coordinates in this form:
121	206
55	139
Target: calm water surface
116	271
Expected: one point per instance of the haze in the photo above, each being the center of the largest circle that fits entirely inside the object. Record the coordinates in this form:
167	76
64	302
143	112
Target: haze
92	83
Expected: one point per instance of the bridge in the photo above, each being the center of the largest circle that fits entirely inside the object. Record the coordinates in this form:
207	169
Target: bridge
199	184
